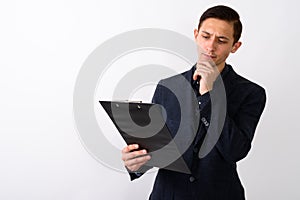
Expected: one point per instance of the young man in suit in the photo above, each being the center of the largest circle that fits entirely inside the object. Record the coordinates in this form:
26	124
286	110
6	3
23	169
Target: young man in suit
213	175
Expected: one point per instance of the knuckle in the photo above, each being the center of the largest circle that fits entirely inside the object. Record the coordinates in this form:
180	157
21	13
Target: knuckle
126	149
136	160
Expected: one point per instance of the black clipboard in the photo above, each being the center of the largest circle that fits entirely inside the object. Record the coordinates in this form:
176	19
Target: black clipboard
144	124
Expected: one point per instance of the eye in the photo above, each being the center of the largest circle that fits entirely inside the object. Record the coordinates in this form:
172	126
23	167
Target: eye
205	36
222	41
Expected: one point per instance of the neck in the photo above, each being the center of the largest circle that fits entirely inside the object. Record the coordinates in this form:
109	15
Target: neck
221	67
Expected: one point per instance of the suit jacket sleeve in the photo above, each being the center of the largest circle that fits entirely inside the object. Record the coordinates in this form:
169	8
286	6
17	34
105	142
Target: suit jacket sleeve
239	127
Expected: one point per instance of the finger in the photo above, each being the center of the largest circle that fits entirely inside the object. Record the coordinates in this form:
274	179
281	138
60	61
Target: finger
205	70
137	166
204	65
196	75
209	64
201	72
137	161
132	155
129	148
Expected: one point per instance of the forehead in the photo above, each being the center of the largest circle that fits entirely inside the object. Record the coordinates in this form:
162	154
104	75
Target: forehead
218	27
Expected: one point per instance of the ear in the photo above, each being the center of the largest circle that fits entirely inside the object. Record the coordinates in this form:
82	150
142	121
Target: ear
196	33
235	47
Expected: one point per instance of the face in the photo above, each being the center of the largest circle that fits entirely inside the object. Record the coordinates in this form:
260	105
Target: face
215	38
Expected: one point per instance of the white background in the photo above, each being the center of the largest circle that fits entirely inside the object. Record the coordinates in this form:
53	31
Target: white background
43	45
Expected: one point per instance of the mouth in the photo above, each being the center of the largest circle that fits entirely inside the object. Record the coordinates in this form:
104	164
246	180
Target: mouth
209	56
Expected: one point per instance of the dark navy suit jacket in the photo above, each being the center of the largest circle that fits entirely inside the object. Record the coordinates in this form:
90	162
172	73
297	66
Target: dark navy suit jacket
214	175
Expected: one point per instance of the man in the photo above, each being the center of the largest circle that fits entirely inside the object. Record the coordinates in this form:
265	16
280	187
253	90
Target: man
214	175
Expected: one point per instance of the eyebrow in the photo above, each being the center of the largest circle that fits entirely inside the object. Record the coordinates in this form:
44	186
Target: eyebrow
220	37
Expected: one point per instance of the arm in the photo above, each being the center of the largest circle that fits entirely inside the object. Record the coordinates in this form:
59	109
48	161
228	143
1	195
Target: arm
239	127
238	132
244	109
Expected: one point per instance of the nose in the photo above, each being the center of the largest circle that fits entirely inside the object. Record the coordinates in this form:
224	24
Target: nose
211	45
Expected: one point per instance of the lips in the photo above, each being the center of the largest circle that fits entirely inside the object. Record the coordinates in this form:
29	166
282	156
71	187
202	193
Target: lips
210	56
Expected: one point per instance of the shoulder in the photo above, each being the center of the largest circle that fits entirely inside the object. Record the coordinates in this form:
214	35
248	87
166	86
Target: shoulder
237	81
169	88
184	76
243	88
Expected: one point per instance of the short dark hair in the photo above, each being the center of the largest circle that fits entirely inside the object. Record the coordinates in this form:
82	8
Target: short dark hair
227	14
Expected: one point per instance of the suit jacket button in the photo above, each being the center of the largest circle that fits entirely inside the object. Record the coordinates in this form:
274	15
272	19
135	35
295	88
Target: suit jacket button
192	179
